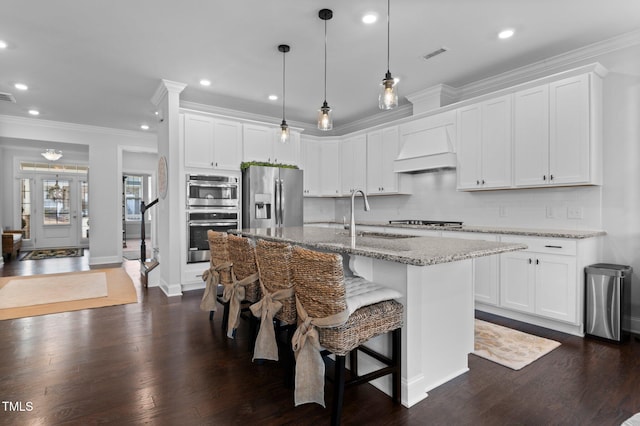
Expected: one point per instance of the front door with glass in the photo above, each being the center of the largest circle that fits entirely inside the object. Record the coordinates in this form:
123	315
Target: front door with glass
56	215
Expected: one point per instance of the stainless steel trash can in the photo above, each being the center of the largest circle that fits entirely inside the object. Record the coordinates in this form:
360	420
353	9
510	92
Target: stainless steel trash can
608	301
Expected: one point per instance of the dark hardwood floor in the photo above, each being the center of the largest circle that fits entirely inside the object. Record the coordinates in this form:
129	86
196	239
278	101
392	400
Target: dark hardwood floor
161	361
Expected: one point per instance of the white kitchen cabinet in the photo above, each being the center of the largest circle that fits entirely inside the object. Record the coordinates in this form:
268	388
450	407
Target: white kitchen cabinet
542	279
330	168
321	167
485	269
557	133
353	161
382	150
484	145
311	167
261	143
212	143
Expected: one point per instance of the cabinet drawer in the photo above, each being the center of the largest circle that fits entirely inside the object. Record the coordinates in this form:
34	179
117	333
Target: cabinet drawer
544	245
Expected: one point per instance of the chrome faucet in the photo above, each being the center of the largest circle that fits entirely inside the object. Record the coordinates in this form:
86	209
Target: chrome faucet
352	225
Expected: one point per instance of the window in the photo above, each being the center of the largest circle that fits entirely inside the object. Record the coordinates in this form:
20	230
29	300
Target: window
133	191
25	207
56	202
84	197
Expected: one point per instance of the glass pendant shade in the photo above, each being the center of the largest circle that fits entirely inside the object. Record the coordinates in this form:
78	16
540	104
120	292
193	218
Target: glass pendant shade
388	97
284	132
325	119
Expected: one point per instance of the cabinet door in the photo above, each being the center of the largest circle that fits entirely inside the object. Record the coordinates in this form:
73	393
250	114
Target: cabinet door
390	143
569	136
330	168
374	162
517	289
198	141
353	162
531	137
257	143
287	153
469	147
311	167
555	287
496	143
227	144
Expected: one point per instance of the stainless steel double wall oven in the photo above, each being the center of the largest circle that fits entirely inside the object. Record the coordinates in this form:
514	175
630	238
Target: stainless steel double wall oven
212	203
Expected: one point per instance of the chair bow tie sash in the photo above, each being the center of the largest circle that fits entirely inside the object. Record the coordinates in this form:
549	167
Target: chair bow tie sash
211	277
234	293
266	309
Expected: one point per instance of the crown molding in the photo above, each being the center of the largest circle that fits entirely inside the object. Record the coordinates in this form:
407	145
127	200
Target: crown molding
12	120
550	65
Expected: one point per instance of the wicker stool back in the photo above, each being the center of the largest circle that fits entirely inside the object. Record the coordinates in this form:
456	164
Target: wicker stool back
274	267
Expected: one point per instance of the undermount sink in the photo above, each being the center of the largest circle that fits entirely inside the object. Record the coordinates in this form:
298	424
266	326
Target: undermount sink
371	234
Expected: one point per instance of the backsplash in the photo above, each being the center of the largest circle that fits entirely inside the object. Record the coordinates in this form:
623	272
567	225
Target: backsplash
435	197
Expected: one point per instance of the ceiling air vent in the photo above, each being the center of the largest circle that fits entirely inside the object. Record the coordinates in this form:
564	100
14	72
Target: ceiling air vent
8	97
434	53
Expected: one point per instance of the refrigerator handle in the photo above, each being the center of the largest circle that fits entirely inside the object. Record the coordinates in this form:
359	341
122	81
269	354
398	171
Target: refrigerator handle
276	201
280	203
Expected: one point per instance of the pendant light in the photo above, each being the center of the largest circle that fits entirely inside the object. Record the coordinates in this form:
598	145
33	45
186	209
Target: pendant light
325	119
51	154
284	128
388	97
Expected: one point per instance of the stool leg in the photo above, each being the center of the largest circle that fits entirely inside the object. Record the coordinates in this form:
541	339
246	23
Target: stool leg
225	316
396	354
338	390
253	331
353	362
211	315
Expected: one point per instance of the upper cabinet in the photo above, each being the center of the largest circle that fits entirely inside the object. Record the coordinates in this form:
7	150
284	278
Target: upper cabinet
545	134
321	168
353	160
556	133
261	143
382	150
484	145
212	143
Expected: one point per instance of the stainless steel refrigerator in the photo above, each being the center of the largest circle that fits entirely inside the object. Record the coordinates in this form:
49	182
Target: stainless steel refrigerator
271	197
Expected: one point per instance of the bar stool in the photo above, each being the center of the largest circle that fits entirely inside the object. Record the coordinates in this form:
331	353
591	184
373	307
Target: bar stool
219	272
244	287
337	315
277	300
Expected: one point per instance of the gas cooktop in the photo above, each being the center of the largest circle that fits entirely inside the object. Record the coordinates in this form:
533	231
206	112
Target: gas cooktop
426	222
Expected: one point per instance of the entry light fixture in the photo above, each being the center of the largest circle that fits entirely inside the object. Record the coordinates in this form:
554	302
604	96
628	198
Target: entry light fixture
325	119
388	97
51	154
284	128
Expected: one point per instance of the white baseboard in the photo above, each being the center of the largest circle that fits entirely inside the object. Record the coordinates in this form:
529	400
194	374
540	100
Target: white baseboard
105	260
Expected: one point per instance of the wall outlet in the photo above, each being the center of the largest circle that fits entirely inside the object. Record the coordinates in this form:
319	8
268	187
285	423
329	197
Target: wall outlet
575	213
551	214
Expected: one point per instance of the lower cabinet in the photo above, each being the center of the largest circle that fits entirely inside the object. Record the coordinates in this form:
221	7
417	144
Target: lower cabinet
545	279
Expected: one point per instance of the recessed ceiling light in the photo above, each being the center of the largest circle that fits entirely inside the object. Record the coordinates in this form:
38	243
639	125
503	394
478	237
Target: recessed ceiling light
506	33
205	82
144	127
21	86
273	97
3	44
34	112
370	18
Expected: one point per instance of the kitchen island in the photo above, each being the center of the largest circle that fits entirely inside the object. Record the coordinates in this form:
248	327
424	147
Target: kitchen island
435	277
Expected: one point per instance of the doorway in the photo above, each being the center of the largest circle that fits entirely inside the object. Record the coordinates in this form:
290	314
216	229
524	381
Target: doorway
55	210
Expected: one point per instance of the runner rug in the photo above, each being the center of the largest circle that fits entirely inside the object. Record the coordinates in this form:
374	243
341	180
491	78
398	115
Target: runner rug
52	293
53	253
508	347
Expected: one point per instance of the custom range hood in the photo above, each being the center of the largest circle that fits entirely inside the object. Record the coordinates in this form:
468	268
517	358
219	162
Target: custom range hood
427	144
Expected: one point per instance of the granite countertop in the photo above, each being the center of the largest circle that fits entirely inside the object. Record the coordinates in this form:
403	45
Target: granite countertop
411	250
531	232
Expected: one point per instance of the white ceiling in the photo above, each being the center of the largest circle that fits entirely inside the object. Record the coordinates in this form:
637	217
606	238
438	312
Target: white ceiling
99	62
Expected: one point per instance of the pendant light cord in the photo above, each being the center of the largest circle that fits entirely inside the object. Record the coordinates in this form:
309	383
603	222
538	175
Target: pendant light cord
284	97
325	60
388	32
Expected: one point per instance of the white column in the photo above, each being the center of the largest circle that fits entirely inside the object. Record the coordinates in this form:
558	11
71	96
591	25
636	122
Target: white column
167	101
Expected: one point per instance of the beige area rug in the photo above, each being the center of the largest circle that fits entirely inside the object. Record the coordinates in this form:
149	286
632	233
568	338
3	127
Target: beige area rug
119	291
508	347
